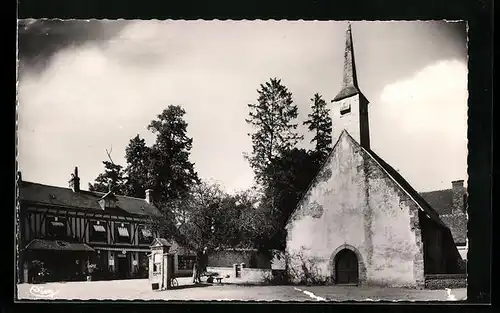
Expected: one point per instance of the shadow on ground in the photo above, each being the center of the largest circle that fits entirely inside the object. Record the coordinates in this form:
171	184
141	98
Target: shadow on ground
189	286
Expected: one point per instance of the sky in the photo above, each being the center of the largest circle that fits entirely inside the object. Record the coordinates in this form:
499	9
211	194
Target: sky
85	87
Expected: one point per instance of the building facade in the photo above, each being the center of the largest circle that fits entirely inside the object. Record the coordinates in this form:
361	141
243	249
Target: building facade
360	222
68	228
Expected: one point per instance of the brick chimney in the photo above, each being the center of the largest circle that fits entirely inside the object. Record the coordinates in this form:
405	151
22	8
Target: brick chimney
149	196
458	190
74	182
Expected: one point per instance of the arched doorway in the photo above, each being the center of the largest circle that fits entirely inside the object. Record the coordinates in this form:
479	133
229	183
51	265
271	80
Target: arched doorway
346	267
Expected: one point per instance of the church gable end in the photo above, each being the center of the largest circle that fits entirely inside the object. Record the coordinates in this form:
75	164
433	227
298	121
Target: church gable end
360	221
363	207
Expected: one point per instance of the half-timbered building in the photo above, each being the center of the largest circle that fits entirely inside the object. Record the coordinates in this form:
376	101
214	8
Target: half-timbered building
68	228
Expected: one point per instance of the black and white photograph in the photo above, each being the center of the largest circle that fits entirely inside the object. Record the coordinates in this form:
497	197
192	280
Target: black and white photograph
252	160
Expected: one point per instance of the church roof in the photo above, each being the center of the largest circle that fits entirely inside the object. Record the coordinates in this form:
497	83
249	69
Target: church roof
392	173
349	80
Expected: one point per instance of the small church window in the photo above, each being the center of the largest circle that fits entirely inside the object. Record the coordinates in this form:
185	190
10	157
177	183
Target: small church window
345	106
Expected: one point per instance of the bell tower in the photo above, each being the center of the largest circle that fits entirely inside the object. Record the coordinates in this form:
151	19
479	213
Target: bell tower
350	107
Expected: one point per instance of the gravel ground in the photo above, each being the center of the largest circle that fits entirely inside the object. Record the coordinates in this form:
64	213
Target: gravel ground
140	289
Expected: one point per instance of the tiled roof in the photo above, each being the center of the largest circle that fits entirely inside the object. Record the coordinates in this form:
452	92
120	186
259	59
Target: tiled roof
57	245
440	200
458	226
83	199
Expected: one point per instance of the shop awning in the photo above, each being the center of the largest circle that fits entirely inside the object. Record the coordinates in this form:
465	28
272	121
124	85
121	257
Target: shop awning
57	245
99	228
123	232
121	249
57	224
146	233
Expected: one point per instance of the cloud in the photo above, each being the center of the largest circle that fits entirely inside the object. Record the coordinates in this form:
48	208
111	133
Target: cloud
436	96
39	40
424	118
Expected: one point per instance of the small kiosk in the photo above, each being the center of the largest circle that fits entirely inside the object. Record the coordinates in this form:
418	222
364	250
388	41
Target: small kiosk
161	265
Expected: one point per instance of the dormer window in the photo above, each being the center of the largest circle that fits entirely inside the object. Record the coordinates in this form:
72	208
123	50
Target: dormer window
108	201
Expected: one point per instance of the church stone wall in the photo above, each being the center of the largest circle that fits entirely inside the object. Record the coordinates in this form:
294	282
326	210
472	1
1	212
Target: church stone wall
353	204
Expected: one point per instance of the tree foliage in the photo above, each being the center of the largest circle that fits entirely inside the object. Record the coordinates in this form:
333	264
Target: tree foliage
210	218
283	171
171	172
112	179
164	167
289	177
275	130
138	170
320	123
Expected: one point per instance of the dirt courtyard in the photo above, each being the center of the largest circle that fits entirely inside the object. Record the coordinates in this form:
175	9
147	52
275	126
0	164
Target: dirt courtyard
140	289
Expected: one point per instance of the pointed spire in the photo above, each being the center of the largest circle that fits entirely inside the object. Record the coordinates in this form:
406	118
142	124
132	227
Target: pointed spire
350	80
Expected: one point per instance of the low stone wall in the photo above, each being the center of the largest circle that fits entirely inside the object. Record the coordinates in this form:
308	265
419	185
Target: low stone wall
248	275
256	275
251	257
442	281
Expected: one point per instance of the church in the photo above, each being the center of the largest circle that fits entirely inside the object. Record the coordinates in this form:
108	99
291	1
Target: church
360	222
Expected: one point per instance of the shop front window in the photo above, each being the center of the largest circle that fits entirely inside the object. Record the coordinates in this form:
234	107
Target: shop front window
55	228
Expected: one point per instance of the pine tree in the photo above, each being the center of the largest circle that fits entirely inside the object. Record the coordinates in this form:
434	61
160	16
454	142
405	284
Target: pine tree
112	179
273	118
320	123
138	157
171	172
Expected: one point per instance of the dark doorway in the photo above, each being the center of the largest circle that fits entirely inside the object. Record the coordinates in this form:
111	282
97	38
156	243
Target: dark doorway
346	268
123	266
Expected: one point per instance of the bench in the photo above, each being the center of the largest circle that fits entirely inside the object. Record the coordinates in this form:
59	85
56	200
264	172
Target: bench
219	279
